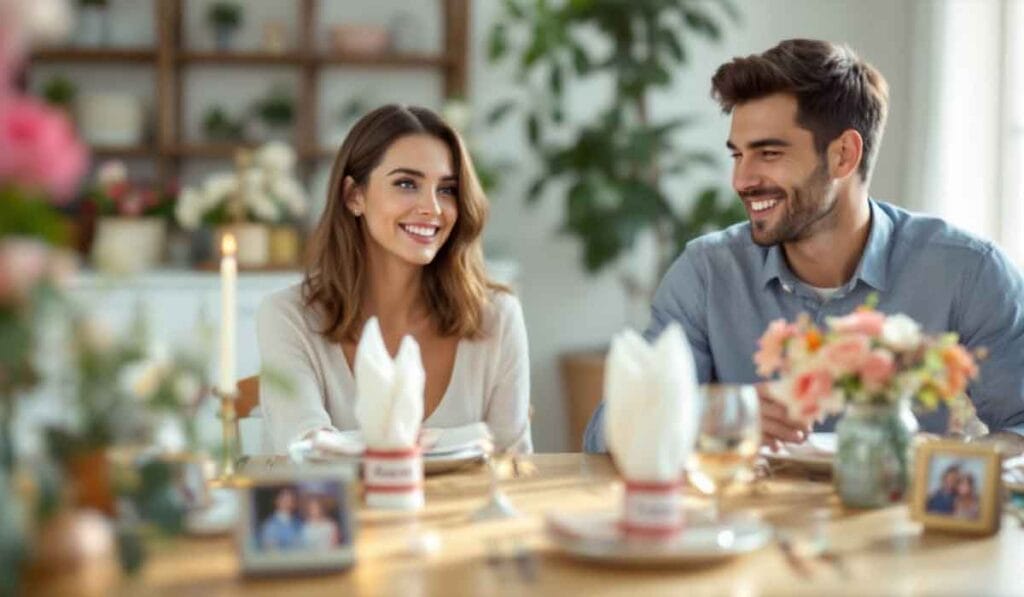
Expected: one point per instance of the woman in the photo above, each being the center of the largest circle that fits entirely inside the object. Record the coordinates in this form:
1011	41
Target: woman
399	240
965	504
319	532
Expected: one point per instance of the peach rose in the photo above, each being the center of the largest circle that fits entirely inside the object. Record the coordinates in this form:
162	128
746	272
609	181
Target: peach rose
877	369
864	321
845	354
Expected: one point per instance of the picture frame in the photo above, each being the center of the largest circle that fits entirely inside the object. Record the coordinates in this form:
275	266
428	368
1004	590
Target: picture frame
957	487
298	520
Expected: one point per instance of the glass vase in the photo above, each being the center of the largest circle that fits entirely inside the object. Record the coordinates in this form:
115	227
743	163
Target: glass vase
874	455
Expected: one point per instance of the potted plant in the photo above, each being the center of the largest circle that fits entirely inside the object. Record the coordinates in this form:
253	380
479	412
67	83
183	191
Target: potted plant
60	92
131	221
274	114
93	23
616	163
225	18
262	192
219	127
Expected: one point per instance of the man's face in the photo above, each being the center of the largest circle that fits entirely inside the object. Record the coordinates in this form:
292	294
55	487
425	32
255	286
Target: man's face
949	481
780	177
285	501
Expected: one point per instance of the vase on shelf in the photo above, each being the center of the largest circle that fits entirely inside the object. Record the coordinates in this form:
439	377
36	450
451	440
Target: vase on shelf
874	455
129	245
253	243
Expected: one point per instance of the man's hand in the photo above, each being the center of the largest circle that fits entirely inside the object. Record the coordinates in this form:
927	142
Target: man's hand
776	426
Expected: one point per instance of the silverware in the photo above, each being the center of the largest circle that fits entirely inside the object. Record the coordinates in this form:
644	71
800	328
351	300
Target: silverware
796	563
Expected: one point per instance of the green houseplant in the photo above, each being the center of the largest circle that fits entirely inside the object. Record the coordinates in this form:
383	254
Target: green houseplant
614	165
225	18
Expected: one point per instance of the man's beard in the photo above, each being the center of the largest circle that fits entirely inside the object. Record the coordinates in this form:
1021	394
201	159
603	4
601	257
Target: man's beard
805	205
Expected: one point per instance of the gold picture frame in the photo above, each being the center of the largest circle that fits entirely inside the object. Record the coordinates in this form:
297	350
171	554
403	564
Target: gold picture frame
957	487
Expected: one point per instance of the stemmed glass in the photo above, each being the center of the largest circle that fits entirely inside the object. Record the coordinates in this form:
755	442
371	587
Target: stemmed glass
498	506
727	439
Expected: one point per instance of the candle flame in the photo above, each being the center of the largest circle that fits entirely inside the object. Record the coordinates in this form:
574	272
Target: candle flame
227	245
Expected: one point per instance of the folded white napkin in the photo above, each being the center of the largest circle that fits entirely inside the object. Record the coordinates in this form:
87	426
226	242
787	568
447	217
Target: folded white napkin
329	443
389	393
652	404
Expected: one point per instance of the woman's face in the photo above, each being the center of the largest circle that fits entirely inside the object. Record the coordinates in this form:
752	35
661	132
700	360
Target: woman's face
314	510
963	487
410	201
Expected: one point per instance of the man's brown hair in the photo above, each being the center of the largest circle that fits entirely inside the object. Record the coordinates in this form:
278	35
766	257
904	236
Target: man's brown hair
835	90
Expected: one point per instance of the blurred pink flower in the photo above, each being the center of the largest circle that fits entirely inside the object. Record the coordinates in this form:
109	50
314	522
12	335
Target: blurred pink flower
771	346
863	321
38	148
845	354
23	265
810	390
877	369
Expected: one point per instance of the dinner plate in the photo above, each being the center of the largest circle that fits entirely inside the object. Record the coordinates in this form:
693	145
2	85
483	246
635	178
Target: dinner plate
815	455
595	537
450	461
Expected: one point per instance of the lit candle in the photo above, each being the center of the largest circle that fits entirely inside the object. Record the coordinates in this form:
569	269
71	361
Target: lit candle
228	281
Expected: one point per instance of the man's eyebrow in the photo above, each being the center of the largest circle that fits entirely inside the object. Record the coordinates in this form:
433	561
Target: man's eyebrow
769	142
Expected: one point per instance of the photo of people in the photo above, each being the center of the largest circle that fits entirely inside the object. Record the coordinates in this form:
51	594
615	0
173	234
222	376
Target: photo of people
298	516
954	486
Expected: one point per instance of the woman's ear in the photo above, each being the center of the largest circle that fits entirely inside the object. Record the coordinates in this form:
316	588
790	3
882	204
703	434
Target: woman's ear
352	194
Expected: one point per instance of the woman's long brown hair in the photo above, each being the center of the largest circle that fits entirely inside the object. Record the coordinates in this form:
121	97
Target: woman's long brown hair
455	286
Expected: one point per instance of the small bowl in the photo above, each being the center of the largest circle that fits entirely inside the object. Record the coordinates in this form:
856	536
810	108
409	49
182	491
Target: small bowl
360	39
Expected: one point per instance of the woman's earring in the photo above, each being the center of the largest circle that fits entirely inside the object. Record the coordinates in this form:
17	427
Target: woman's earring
357	212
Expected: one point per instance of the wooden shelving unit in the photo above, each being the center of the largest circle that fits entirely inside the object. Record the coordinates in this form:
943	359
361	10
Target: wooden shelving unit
170	58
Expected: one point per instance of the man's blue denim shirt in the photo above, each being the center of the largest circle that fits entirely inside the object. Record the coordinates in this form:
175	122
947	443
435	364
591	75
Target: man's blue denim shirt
725	290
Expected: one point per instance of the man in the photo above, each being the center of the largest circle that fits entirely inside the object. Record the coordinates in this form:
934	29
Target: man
807	120
282	529
943	499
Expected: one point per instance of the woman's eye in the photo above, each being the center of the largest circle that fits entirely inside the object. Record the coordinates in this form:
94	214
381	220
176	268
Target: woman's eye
405	183
451	191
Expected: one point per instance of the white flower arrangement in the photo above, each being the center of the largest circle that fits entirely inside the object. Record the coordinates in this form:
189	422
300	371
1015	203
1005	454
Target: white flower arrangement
269	188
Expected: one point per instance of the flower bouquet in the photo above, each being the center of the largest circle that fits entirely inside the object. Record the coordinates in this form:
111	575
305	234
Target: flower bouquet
262	190
867	365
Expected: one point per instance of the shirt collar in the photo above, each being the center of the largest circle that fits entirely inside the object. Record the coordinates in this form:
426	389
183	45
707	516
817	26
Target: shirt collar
873	266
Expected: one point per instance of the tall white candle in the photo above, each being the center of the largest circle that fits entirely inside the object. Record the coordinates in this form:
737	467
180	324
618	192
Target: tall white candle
228	281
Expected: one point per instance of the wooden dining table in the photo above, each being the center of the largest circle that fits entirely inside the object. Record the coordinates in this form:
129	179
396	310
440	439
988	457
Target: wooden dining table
440	551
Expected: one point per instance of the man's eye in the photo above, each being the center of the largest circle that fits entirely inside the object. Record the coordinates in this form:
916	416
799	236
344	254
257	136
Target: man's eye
735	156
771	154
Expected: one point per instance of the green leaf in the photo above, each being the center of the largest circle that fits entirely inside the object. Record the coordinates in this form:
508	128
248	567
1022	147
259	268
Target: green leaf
555	80
702	23
499	112
533	129
580	60
497	43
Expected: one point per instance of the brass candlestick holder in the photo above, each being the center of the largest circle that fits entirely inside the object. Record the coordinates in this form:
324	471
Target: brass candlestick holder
229	426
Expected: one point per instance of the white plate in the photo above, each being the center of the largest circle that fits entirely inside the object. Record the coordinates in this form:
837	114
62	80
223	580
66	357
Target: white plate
447	462
815	455
596	537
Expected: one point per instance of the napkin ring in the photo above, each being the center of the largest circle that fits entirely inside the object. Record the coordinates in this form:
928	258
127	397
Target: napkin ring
652	509
393	478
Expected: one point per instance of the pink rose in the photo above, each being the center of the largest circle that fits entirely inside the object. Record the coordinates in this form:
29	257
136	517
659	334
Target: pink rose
771	347
38	147
23	265
845	354
865	321
810	390
877	369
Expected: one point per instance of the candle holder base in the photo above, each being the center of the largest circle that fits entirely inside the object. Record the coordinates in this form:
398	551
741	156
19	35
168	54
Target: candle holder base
229	453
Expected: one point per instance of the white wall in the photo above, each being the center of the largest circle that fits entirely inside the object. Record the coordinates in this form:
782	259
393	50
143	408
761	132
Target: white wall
565	309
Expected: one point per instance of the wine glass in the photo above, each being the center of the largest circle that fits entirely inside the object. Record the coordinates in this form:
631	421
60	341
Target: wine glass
498	505
727	439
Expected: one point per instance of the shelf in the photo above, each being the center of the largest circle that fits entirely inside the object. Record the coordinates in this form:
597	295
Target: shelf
241	58
127	151
71	54
384	60
227	150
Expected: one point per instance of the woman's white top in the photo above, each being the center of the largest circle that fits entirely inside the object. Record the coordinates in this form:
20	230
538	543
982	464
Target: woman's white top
490	379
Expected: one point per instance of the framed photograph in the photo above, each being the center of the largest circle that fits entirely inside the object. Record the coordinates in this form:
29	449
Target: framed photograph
957	487
298	521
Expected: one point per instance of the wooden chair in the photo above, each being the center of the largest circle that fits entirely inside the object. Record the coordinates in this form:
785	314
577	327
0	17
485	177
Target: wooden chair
248	396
